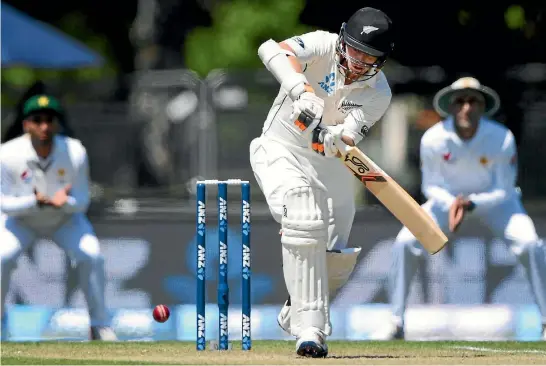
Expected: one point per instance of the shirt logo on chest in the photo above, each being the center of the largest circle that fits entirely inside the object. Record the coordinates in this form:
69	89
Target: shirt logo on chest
61	174
346	106
329	83
484	161
447	157
26	176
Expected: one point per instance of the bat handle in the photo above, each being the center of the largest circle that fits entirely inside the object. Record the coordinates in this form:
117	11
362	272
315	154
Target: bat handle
341	146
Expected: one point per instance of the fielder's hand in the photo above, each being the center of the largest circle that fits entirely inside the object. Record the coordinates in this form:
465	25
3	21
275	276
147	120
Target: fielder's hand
307	112
41	200
457	211
60	197
323	140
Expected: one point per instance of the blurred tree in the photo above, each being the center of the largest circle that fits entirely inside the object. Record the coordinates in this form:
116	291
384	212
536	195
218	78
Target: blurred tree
15	79
238	28
86	21
160	29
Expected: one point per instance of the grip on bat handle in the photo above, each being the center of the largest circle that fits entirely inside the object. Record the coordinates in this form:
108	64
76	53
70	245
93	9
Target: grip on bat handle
341	146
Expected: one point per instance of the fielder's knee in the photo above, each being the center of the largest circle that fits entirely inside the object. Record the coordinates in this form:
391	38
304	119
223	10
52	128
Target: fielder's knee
89	249
10	248
523	249
406	242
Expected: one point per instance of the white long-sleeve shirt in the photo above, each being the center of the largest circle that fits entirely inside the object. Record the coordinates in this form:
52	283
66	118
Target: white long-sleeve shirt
22	171
358	105
483	169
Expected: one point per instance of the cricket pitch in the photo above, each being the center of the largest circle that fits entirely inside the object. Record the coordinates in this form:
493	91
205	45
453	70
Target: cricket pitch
274	352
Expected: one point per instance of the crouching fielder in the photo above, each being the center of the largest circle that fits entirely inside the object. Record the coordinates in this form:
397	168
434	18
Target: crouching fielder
331	87
469	167
45	193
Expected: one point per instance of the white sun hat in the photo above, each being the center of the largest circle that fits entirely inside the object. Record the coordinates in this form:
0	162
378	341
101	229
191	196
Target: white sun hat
442	99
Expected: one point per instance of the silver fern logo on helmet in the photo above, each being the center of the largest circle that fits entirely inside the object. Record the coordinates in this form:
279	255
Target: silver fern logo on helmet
368	29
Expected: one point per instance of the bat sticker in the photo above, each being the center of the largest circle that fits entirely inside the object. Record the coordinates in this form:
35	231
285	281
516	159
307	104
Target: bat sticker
362	171
359	164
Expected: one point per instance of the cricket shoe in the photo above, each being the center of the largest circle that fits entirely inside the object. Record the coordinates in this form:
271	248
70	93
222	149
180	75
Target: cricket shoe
393	331
311	343
103	334
283	319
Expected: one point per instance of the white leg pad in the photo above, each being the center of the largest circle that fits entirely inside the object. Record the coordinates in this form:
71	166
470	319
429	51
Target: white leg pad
340	264
304	239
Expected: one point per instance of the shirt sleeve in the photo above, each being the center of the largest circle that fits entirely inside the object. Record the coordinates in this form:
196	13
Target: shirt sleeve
504	176
359	121
311	46
79	198
433	183
10	204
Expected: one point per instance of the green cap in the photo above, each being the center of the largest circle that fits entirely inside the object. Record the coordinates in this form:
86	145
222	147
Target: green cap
42	103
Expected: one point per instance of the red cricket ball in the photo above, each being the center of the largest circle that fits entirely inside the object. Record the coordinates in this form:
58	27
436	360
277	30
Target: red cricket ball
161	313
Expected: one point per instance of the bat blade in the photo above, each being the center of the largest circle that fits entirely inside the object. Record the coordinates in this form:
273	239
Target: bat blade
395	199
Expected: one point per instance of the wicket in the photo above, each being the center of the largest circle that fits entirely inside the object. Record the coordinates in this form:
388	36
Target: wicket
223	288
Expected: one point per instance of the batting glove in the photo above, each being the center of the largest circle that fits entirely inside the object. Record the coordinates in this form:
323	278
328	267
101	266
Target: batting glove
307	112
324	138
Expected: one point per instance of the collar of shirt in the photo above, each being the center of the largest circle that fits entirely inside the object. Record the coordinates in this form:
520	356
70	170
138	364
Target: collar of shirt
358	84
449	124
41	162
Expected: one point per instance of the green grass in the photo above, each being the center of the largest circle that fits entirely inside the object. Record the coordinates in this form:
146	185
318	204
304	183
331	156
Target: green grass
64	361
273	352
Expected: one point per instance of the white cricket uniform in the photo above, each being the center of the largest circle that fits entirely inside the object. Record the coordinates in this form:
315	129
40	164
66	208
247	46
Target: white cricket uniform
281	157
23	221
484	169
310	195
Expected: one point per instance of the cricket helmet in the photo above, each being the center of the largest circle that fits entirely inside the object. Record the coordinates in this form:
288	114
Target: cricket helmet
369	31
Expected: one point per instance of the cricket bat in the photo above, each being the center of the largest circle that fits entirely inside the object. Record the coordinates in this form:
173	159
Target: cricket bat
393	197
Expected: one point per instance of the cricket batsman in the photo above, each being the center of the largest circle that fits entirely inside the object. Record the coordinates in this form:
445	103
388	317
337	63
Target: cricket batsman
332	87
45	194
469	167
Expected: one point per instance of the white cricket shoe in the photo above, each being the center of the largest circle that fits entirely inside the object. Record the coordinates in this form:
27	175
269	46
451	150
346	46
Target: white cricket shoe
283	319
312	343
103	334
391	331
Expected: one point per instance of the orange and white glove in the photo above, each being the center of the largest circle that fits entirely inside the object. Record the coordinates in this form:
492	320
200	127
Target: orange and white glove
307	112
323	140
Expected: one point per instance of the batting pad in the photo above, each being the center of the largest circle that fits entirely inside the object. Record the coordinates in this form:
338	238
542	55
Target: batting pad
304	238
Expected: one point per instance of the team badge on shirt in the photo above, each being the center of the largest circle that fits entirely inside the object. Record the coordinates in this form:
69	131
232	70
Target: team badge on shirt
484	161
447	156
26	176
346	106
329	83
61	173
